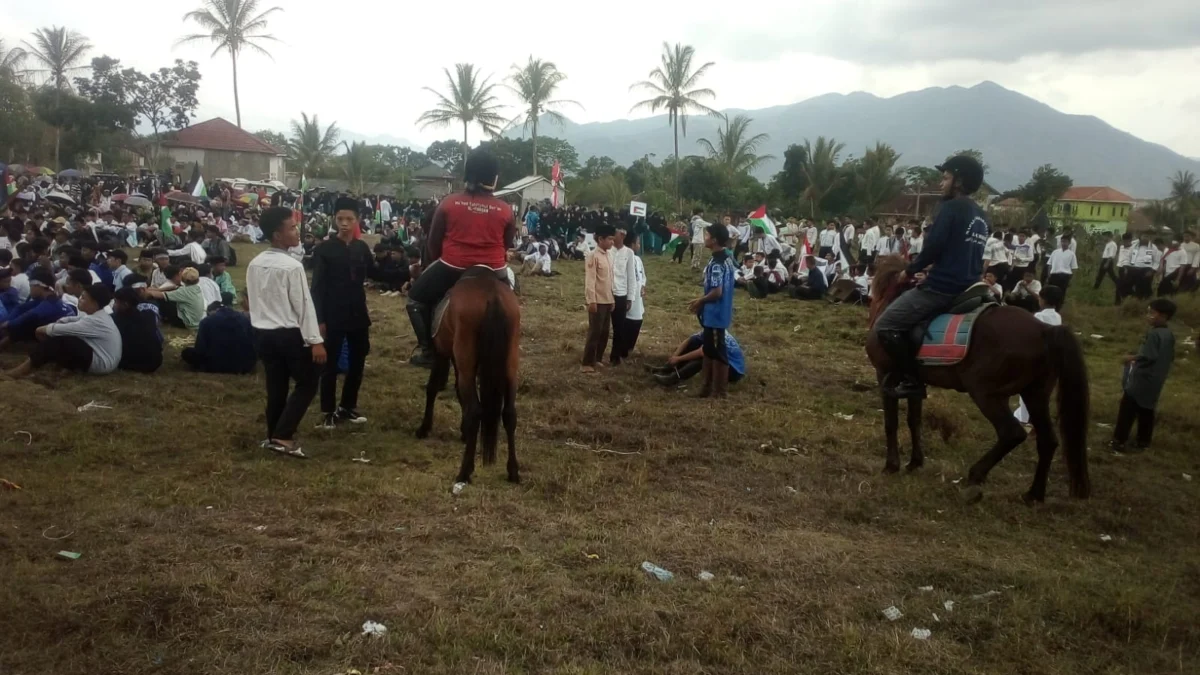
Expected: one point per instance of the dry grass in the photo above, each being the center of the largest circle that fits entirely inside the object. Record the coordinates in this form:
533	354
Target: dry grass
203	554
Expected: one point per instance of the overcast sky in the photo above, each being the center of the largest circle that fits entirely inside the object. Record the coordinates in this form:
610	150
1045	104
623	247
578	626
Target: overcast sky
363	63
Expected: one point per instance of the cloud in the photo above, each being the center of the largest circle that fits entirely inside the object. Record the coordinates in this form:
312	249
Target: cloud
891	32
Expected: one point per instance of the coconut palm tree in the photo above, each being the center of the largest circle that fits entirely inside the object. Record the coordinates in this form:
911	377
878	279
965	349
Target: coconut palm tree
736	151
310	146
1184	193
11	61
233	26
820	167
877	181
59	52
673	87
469	100
535	84
360	166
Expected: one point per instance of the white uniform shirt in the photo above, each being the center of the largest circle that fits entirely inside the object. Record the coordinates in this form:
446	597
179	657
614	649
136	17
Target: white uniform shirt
1146	257
21	283
915	245
870	238
1123	254
277	290
1033	288
994	252
1063	262
848	235
1022	253
1058	243
193	250
1110	251
638	282
828	238
1193	253
1173	261
622	264
210	291
1049	316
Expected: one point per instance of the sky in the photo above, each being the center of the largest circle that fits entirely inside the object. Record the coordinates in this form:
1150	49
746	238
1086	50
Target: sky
364	63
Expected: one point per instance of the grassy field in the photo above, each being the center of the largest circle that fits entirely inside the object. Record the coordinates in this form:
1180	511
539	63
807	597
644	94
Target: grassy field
201	553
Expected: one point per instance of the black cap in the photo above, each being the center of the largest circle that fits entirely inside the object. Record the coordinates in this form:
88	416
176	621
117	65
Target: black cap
346	204
966	169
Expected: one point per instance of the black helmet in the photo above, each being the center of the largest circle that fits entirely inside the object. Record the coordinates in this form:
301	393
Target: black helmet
966	169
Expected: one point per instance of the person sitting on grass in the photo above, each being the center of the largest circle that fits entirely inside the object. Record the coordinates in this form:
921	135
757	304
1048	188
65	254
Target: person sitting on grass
224	282
814	285
86	343
1051	301
686	362
997	290
1027	291
141	341
184	306
44	306
117	268
1145	375
97	263
209	289
9	298
224	343
73	285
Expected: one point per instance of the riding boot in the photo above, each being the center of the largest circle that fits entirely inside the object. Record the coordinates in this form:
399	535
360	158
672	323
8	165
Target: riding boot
904	380
720	379
423	357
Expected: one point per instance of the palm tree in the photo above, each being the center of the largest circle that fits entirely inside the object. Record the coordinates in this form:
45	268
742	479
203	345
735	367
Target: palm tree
535	84
310	146
1184	194
469	100
820	167
735	150
360	166
876	179
673	88
11	61
233	26
59	51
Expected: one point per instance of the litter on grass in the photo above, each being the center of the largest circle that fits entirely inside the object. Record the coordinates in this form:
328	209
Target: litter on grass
656	571
260	528
705	576
69	555
457	488
921	633
4	482
925	589
92	405
935	617
985	596
949	605
362	458
1106	537
374	628
892	613
842	416
1097	337
1187	476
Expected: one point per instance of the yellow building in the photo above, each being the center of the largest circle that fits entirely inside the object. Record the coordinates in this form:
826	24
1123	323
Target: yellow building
1096	209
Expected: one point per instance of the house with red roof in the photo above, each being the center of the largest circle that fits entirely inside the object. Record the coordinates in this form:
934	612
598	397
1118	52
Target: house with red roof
223	151
1097	209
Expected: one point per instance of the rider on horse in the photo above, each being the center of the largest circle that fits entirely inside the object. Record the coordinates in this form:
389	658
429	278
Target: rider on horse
954	247
469	228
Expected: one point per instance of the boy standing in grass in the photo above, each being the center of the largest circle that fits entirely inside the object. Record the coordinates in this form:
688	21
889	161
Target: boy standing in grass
715	310
1145	374
598	294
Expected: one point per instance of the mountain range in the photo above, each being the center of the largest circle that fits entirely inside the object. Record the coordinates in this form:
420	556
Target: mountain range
1015	133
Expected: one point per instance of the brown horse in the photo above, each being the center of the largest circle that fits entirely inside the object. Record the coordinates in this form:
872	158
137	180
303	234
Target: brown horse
480	335
1011	353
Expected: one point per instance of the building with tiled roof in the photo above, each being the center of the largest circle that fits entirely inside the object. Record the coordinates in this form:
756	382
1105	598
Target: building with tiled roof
1094	208
224	151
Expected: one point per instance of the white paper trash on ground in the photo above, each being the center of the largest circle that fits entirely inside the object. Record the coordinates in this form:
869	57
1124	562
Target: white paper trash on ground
921	633
374	628
892	613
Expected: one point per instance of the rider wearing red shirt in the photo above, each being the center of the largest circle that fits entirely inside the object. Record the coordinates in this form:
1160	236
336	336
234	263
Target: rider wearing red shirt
469	228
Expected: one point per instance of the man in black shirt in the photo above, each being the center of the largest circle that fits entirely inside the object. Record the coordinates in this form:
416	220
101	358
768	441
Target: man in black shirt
340	266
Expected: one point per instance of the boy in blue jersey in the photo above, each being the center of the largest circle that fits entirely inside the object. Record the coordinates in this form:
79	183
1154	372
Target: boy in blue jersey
715	311
953	247
43	307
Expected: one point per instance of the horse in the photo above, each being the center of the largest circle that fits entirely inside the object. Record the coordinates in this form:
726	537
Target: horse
1010	353
479	334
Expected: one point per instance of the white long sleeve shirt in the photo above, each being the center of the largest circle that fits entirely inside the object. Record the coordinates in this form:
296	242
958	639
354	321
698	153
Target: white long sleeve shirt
193	250
1110	251
867	243
1147	256
828	238
637	283
623	269
1023	252
848	235
277	290
1123	256
994	252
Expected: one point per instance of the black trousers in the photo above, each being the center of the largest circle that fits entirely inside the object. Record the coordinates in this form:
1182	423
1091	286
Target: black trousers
1167	285
1139	282
713	345
67	351
360	345
1126	414
1107	268
434	283
285	357
1001	272
633	329
617	352
1061	279
690	369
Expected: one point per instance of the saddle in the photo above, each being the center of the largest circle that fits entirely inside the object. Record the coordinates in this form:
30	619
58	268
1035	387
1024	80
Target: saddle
474	272
946	338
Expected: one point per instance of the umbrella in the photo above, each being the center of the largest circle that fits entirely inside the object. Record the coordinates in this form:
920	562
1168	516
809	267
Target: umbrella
43	171
248	198
60	197
180	196
28	196
137	201
69	173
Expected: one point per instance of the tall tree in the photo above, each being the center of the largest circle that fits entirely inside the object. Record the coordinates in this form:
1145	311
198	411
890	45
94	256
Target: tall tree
673	87
360	166
59	52
310	145
922	178
167	98
736	151
877	181
1045	186
790	184
275	140
1185	195
468	99
11	61
535	84
449	154
820	168
233	26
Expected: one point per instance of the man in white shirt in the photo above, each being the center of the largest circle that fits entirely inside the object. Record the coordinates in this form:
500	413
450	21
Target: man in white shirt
916	243
1144	260
995	256
290	343
867	242
1124	253
621	257
193	250
1187	280
636	291
20	280
1024	257
828	239
1025	293
811	235
1172	269
698	226
773	278
1108	261
1062	263
848	233
886	244
764	243
745	274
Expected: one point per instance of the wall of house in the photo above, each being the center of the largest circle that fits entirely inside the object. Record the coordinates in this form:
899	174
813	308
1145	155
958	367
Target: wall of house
225	164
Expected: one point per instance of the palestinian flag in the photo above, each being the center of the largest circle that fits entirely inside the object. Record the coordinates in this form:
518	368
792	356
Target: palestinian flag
199	189
676	241
762	221
165	222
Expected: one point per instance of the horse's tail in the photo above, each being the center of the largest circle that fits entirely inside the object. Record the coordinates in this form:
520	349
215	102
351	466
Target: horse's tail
492	362
1073	402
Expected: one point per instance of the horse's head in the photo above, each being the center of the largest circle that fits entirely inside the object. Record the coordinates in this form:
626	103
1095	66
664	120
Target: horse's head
885	287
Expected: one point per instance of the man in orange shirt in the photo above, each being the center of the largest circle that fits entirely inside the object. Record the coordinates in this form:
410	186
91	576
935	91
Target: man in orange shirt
598	294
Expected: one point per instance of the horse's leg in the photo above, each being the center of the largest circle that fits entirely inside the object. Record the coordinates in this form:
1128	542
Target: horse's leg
490	400
469	398
891	425
437	381
1037	402
510	428
1009	435
917	459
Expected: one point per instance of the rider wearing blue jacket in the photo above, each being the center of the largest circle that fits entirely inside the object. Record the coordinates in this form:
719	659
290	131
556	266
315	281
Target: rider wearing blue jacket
954	247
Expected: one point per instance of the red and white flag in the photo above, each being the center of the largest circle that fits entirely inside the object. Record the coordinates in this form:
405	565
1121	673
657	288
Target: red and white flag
555	179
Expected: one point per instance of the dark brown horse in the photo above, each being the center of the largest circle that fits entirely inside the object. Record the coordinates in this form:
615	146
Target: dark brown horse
479	335
1011	353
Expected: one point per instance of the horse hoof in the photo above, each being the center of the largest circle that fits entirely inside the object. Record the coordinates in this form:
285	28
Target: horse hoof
1031	500
914	465
514	478
972	494
891	468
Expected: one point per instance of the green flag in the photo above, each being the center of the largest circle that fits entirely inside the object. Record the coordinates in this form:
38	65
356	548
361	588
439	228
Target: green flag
165	224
